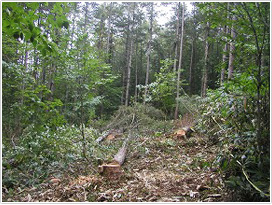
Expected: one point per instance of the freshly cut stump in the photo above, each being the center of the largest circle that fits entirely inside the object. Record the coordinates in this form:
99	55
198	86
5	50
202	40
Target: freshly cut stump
111	170
184	132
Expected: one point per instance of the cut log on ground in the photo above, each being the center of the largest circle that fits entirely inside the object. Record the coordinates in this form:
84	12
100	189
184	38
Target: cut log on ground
101	138
109	135
113	135
121	155
113	169
184	132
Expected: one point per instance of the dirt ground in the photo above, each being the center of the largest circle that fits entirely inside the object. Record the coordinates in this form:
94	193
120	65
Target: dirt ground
158	168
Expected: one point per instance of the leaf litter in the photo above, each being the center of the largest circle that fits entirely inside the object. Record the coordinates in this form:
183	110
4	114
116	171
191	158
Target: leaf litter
161	169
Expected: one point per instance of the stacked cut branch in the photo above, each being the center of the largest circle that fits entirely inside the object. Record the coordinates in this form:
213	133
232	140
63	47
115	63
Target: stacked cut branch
113	169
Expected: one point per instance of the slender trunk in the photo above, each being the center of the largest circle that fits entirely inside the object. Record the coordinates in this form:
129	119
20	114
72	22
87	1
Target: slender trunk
82	120
180	62
177	38
128	73
232	49
225	49
141	67
148	53
205	70
51	82
130	58
35	70
224	60
136	70
100	34
126	54
191	67
123	86
109	34
26	56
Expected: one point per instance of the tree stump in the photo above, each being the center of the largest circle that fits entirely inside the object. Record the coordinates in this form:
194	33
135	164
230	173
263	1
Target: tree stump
184	132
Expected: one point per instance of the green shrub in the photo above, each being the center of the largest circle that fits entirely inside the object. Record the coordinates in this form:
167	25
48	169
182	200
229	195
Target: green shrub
228	120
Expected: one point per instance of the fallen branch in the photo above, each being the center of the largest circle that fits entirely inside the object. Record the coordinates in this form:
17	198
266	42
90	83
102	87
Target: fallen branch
247	178
218	124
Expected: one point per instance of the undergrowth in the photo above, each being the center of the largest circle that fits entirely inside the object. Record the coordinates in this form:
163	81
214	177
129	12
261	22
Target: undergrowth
39	155
228	120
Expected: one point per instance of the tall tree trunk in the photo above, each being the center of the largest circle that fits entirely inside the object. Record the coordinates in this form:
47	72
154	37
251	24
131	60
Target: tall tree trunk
260	44
205	70
124	76
191	67
51	81
128	73
232	50
177	38
136	69
123	86
100	34
180	62
225	49
26	56
224	60
148	52
109	41
130	57
81	81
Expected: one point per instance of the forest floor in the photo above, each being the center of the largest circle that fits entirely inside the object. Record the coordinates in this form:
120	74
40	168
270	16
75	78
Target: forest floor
165	170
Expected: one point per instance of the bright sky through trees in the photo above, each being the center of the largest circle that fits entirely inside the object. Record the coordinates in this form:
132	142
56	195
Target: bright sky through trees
166	11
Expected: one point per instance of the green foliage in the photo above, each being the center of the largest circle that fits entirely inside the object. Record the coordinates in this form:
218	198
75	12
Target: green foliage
160	92
228	118
165	86
19	18
62	66
39	154
24	105
142	117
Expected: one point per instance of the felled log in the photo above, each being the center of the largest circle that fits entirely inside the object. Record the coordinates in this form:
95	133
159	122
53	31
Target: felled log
184	132
109	135
113	135
101	138
121	155
113	169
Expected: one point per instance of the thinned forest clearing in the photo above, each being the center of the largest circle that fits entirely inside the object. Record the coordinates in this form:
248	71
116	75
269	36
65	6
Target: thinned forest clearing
135	101
158	168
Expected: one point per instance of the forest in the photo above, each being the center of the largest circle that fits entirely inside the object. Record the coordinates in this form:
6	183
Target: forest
135	101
